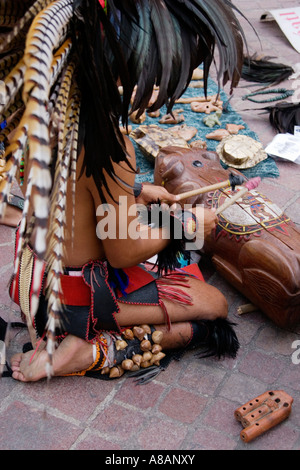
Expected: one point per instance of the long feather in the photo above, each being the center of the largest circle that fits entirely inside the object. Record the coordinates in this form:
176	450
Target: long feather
261	69
8	62
12	84
35	94
44	35
12	156
30	13
75	119
11	11
11	125
163	28
169	59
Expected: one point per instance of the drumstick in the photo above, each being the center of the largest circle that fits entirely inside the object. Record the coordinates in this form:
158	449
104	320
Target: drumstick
233	181
251	184
246	308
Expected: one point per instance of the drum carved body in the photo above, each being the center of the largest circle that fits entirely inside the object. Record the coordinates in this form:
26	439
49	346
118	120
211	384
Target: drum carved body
255	246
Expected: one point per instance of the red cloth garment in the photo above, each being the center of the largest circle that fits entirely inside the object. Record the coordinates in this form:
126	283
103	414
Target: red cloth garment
91	295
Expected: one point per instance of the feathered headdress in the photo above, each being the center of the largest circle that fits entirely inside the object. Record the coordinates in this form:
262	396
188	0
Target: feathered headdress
59	65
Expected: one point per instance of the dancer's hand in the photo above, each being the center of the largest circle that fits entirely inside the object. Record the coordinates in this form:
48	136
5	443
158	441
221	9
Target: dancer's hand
151	193
207	220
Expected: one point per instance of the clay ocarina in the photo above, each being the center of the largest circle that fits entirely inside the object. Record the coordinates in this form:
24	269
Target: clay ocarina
263	413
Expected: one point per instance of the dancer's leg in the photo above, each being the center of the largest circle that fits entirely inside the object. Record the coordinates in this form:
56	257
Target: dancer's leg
74	354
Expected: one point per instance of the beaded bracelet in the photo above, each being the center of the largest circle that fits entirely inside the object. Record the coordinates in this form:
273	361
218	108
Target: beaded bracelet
183	227
189	223
137	189
182	224
284	94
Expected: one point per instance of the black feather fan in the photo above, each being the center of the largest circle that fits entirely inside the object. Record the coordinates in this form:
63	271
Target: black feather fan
284	116
261	69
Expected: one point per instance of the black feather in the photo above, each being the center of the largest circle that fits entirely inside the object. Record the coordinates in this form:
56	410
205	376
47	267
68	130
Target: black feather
263	70
144	376
179	35
101	107
156	216
217	338
284	116
220	340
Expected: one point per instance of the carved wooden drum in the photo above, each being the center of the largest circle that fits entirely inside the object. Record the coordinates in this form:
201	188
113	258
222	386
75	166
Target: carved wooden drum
255	246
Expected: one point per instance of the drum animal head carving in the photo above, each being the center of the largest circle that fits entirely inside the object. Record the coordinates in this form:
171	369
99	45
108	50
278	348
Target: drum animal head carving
180	170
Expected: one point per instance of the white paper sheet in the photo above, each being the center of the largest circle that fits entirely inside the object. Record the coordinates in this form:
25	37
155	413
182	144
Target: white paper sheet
288	20
286	146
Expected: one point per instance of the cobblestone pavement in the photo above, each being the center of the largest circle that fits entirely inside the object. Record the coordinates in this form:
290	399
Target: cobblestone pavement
190	406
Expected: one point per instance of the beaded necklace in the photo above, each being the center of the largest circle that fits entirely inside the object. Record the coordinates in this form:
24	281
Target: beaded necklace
284	94
22	163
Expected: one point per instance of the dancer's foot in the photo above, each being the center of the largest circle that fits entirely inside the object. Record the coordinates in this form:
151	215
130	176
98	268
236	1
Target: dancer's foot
72	355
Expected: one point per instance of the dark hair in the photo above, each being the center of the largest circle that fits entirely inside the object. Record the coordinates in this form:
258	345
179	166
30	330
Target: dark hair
102	107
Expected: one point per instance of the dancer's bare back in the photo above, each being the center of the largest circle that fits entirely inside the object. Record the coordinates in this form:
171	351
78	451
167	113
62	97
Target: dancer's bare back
84	244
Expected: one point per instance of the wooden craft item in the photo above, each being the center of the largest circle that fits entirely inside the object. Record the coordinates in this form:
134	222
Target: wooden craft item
201	99
218	134
263	413
207	107
126	130
153	114
196	84
151	138
135	119
241	151
197	74
255	246
152	99
201	144
213	119
183	131
234	128
173	118
246	308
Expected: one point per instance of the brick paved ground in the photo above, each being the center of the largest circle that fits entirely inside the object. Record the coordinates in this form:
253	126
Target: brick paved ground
190	406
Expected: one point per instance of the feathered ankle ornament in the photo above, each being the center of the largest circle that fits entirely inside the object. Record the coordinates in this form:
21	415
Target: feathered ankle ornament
138	348
217	337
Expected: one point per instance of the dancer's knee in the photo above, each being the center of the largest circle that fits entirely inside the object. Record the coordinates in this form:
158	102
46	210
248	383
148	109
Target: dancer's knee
216	307
222	307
